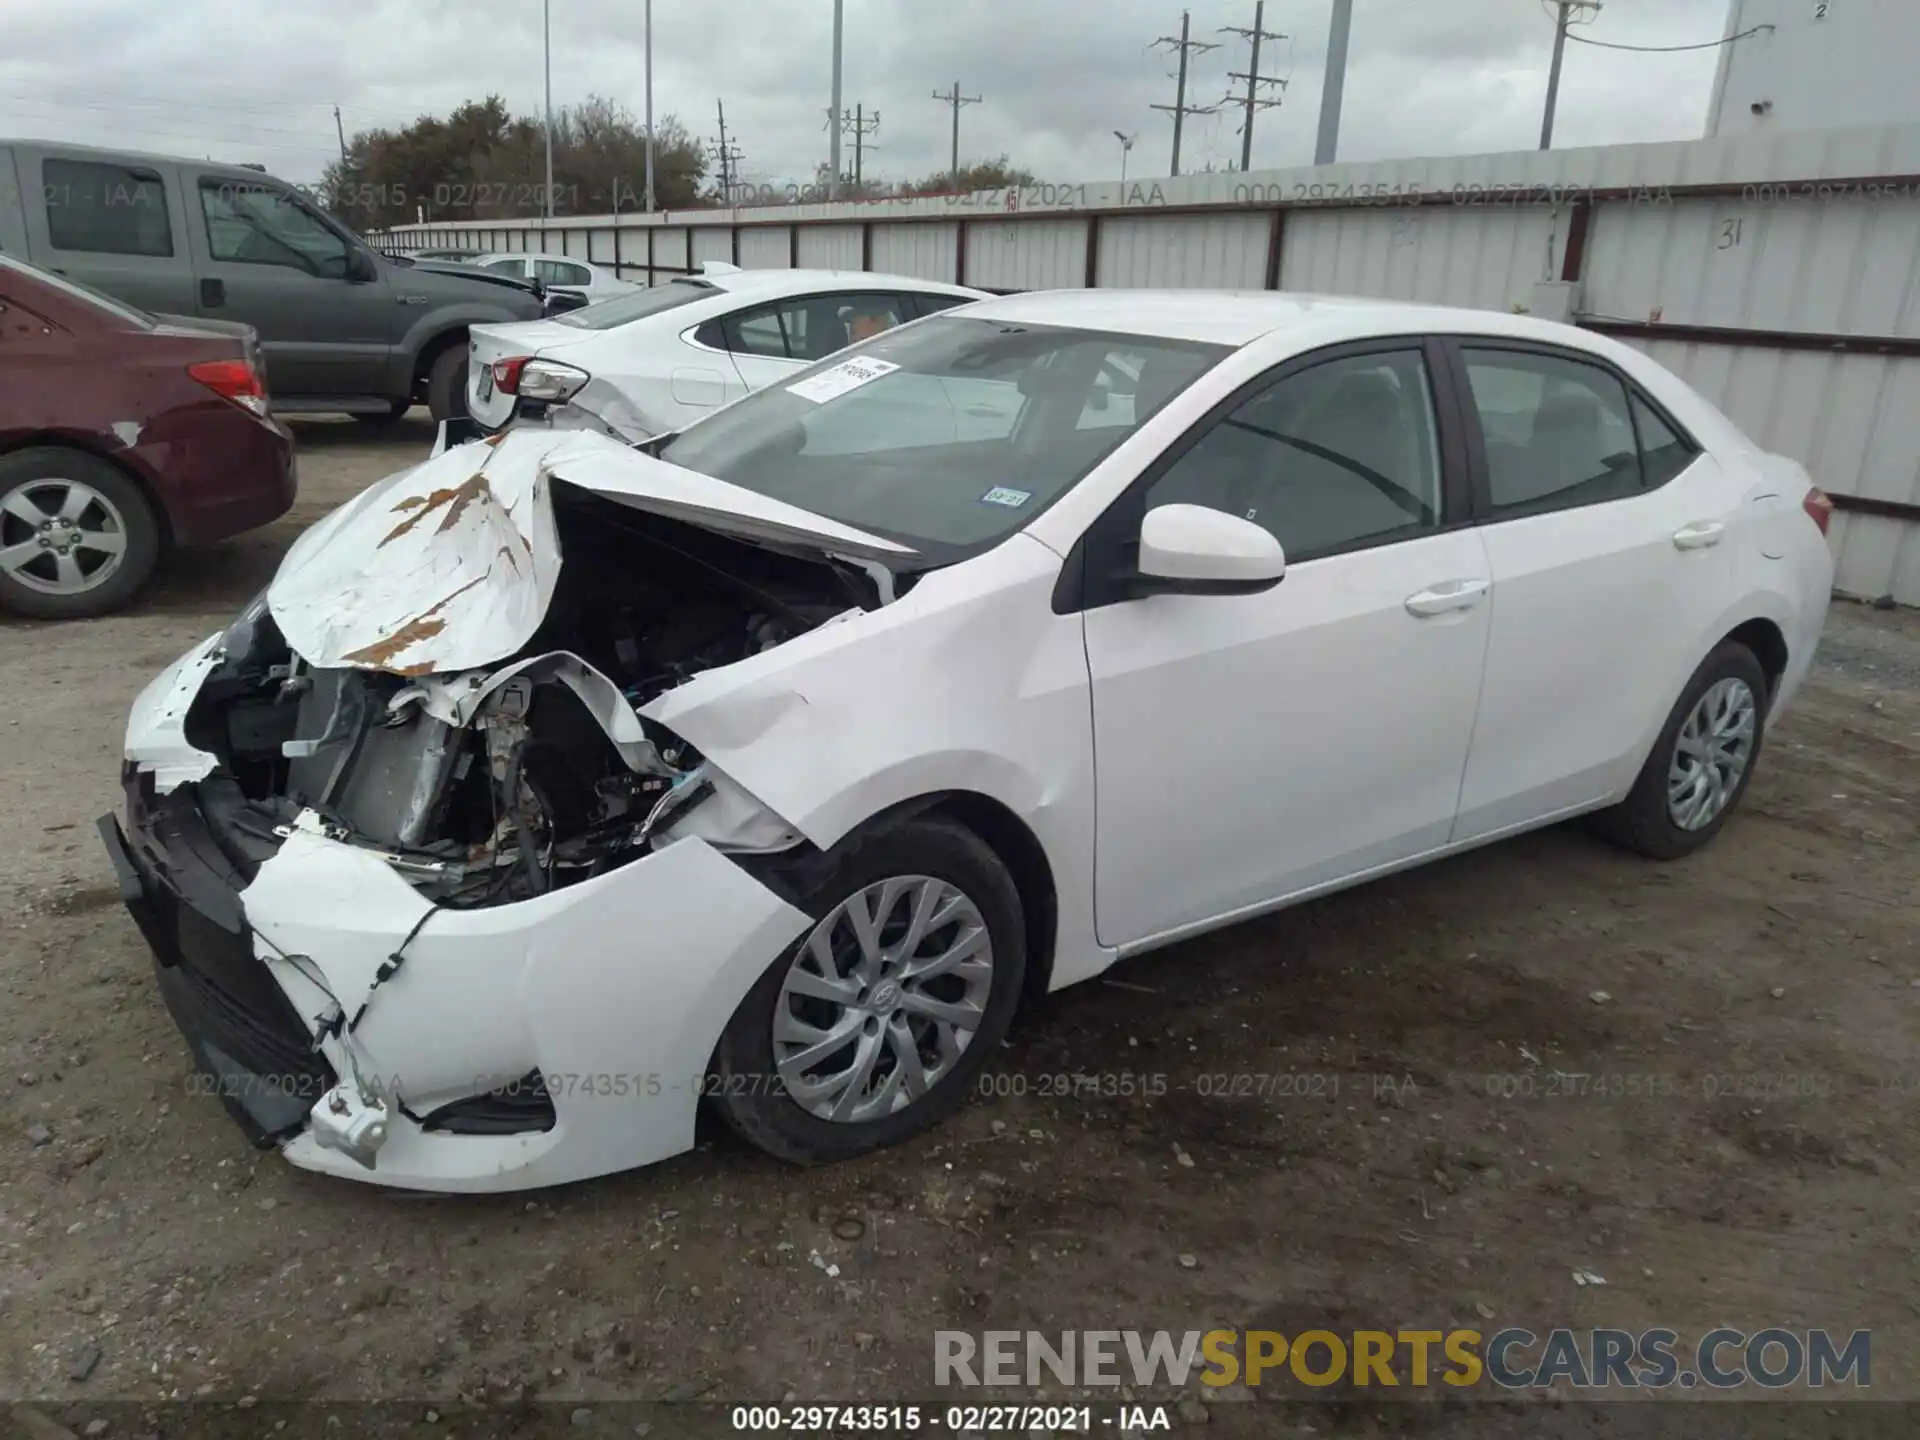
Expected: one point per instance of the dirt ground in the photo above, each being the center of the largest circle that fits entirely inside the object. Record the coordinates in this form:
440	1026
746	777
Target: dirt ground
1742	1154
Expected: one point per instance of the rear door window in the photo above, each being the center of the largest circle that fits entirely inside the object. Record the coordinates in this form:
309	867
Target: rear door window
105	209
559	272
1558	431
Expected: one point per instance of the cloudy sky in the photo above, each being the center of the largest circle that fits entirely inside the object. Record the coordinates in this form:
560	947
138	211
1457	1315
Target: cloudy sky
240	80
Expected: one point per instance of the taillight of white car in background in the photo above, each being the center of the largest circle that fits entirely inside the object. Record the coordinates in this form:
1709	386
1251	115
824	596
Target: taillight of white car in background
546	381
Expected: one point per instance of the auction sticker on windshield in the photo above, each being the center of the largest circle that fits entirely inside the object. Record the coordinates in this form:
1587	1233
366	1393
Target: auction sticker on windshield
847	375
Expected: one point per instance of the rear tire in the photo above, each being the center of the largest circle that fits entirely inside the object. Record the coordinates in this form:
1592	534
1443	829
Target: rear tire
1702	763
915	1078
447	384
110	533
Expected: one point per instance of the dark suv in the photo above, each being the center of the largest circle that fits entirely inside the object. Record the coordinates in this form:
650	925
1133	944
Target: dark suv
342	328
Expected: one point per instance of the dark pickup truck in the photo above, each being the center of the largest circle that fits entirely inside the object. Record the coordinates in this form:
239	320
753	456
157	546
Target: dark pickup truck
342	328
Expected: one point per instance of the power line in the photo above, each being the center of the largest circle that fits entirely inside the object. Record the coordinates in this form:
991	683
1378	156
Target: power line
1180	109
1254	100
1669	49
251	128
959	102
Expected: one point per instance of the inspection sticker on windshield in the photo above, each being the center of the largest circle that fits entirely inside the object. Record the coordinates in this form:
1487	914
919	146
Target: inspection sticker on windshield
1001	495
847	375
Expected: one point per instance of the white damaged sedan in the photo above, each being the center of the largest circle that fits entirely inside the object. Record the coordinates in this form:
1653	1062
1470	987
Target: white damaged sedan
555	788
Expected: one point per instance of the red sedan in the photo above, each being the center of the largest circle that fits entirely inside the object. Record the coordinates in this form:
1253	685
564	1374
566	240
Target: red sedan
122	434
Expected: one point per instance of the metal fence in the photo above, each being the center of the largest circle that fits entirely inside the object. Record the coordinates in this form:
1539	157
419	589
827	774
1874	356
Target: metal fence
1780	274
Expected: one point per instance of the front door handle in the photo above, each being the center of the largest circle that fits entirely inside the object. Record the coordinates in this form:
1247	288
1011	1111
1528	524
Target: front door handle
213	293
1699	535
1446	598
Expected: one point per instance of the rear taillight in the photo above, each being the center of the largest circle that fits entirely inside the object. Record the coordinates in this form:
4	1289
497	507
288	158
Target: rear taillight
235	380
506	373
1819	507
532	378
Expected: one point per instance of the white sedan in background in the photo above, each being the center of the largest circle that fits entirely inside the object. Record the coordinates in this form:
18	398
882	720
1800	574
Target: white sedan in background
560	272
661	358
843	733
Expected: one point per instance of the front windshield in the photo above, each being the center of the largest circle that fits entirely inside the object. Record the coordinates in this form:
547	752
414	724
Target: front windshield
947	434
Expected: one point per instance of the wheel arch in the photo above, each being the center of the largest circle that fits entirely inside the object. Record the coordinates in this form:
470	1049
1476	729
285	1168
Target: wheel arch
91	446
431	349
1764	637
1010	838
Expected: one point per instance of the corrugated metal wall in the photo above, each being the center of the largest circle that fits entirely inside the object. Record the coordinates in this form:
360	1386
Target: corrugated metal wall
1482	257
1779	272
927	251
1027	254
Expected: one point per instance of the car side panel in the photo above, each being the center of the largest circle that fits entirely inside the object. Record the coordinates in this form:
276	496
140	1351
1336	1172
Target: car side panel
1598	620
986	691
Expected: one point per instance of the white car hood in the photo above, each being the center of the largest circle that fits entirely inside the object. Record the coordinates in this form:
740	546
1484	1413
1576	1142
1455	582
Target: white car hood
451	564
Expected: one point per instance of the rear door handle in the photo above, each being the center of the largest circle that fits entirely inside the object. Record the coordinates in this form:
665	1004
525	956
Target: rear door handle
1446	598
1699	535
213	293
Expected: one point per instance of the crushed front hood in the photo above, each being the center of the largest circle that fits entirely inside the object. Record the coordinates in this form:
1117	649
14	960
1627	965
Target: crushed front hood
450	565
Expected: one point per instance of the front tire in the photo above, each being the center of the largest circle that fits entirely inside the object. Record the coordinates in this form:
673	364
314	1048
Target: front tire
447	384
1702	763
77	537
875	1024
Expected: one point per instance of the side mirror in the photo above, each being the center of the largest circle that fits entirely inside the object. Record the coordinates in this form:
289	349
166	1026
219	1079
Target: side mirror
362	267
1194	550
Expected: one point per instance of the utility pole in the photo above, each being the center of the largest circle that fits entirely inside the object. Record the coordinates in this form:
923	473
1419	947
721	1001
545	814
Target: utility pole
546	36
1553	76
649	195
1254	79
1334	88
958	102
728	154
859	125
1180	109
1567	10
833	145
341	131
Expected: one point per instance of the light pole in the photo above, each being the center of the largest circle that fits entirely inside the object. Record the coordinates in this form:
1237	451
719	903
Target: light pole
1327	143
833	149
649	105
1126	149
546	38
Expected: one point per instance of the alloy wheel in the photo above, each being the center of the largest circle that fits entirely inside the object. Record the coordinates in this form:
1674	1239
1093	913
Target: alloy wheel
1711	754
882	998
60	537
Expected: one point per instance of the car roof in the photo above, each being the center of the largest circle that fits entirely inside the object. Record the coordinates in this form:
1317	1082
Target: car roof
1240	317
147	157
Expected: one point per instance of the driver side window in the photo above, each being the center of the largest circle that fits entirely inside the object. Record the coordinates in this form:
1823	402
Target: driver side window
259	225
1338	456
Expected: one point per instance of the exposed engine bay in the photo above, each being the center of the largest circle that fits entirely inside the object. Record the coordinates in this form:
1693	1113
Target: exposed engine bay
483	787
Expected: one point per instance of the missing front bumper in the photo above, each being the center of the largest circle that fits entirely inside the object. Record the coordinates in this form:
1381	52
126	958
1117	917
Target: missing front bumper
250	1047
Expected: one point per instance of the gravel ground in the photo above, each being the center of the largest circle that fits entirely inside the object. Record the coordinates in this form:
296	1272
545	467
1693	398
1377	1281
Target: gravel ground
1403	1156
